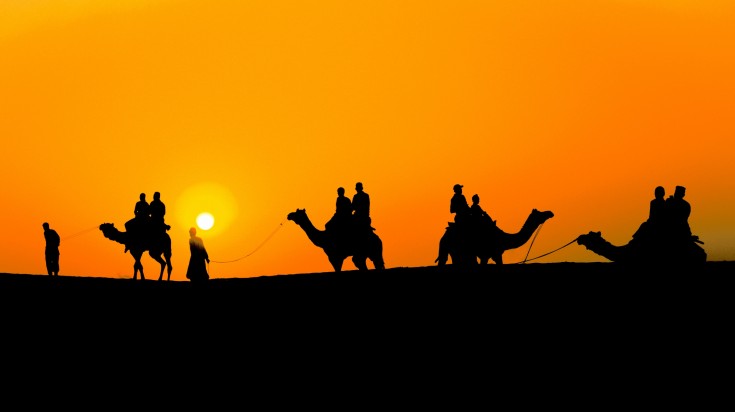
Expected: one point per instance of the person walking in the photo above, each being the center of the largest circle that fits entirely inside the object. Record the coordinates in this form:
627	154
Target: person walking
53	241
197	270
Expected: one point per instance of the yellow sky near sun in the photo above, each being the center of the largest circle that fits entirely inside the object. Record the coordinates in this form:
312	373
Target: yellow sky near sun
249	110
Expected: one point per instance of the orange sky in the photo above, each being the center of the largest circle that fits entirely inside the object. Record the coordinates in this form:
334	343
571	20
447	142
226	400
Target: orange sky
250	110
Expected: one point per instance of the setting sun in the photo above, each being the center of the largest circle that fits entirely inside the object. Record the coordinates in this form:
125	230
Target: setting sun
205	221
201	202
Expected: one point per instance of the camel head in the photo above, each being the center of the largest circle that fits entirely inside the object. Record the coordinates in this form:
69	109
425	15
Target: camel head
591	239
298	217
541	217
107	229
111	232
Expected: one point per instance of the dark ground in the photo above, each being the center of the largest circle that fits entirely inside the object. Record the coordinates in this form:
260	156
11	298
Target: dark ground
578	295
543	334
481	291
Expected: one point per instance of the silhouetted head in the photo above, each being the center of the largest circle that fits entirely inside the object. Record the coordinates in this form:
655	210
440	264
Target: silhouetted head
193	231
458	188
679	191
590	240
45	226
298	217
142	196
157	195
659	192
341	191
475	199
108	229
358	186
540	217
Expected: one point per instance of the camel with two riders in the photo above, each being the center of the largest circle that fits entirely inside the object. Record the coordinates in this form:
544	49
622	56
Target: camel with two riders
155	241
360	244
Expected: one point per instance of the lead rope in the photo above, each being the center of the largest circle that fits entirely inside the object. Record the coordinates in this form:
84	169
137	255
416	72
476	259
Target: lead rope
80	233
546	254
254	250
535	233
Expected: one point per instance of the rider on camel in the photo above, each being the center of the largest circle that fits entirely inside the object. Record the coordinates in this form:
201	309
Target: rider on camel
459	206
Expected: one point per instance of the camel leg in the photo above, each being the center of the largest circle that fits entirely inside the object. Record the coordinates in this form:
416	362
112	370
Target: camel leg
378	262
138	267
163	266
498	259
170	267
442	259
443	254
336	264
161	262
360	262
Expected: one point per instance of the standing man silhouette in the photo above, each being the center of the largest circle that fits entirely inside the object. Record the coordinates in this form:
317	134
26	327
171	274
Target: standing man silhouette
52	250
197	270
361	207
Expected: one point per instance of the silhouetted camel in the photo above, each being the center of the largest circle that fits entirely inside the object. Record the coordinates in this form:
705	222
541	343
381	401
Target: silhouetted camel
685	252
467	243
156	245
368	247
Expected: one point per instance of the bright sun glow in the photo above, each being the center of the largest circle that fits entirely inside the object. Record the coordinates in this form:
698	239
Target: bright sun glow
205	221
211	198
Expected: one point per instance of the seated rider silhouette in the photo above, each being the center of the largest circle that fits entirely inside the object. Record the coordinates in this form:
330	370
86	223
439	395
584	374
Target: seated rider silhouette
678	211
477	216
141	207
458	205
157	211
342	219
361	210
141	217
138	224
653	229
668	222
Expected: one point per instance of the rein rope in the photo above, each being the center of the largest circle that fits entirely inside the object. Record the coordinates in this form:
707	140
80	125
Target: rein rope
80	232
526	259
254	250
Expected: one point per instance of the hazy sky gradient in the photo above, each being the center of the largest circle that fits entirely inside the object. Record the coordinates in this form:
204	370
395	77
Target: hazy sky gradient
249	110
